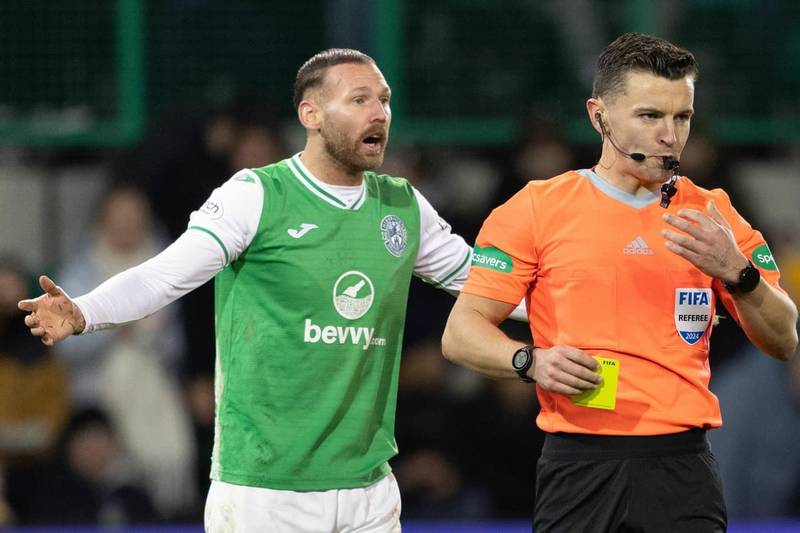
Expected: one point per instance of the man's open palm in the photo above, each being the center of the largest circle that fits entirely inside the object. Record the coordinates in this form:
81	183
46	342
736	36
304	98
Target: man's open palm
53	316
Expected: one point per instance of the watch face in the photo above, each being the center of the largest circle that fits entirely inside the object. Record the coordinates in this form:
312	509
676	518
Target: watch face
749	278
521	358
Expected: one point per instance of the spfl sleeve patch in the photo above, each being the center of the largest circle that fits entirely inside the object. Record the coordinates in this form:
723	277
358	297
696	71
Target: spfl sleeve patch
762	257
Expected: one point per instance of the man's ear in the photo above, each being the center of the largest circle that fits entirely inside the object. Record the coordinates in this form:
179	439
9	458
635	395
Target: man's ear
595	109
309	114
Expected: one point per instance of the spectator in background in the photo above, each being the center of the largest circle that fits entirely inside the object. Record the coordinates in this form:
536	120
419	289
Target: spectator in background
33	397
183	156
702	160
92	481
123	236
133	372
463	182
710	166
33	384
543	151
254	146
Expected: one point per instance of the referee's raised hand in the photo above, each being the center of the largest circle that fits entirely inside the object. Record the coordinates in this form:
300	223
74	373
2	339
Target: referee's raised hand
52	316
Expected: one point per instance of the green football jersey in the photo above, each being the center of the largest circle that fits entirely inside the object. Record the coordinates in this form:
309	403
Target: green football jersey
309	322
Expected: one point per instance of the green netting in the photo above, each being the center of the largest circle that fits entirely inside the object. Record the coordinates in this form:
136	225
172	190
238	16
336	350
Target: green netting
57	62
474	58
88	72
482	58
207	52
84	71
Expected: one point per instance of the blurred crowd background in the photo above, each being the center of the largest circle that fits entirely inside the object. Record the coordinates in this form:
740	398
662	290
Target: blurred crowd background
117	119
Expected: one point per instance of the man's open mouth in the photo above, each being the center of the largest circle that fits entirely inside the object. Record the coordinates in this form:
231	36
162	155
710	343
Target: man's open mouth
374	141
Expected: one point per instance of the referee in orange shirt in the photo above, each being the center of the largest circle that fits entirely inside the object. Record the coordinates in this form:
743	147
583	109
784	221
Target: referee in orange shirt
621	266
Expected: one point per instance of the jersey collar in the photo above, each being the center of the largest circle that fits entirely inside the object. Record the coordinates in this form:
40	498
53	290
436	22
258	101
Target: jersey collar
321	189
627	198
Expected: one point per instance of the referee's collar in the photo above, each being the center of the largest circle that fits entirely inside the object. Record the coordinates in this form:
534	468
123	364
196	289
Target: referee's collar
618	194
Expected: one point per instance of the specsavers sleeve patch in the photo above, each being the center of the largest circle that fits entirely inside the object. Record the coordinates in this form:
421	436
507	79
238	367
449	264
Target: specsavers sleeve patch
504	260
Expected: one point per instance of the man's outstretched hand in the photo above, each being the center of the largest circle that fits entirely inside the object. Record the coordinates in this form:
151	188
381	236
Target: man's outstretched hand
52	316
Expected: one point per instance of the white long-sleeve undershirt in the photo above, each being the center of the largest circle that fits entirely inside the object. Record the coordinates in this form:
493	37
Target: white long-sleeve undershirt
193	259
222	229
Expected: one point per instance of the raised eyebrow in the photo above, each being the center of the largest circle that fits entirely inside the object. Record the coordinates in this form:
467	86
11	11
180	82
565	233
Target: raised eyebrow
364	89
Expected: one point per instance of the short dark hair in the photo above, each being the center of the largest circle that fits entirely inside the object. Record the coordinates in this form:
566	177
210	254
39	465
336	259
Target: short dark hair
639	52
312	73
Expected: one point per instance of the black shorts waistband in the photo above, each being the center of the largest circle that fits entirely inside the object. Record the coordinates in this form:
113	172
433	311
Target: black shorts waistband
575	446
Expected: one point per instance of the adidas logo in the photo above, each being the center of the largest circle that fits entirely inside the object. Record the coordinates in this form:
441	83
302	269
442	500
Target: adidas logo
637	247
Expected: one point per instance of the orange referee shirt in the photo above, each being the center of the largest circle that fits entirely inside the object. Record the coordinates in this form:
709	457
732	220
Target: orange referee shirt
591	263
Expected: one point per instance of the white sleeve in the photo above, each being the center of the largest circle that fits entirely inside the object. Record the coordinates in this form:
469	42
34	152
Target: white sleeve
218	233
232	213
443	258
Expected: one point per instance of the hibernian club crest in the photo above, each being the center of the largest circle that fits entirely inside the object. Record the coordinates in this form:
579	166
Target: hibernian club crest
394	235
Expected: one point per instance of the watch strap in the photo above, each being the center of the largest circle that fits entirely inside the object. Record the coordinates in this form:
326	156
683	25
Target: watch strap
523	372
748	280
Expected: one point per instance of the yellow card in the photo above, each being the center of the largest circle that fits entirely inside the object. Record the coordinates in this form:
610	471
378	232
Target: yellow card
604	396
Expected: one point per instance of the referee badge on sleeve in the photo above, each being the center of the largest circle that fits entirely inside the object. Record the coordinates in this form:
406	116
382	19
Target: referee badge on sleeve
693	313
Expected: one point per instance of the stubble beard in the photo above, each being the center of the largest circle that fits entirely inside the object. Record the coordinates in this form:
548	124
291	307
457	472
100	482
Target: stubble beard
345	152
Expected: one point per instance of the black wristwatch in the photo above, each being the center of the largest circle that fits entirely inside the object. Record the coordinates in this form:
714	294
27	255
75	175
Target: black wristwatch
522	361
748	280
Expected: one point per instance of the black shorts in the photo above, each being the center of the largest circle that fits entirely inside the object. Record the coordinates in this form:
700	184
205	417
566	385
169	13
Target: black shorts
652	484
